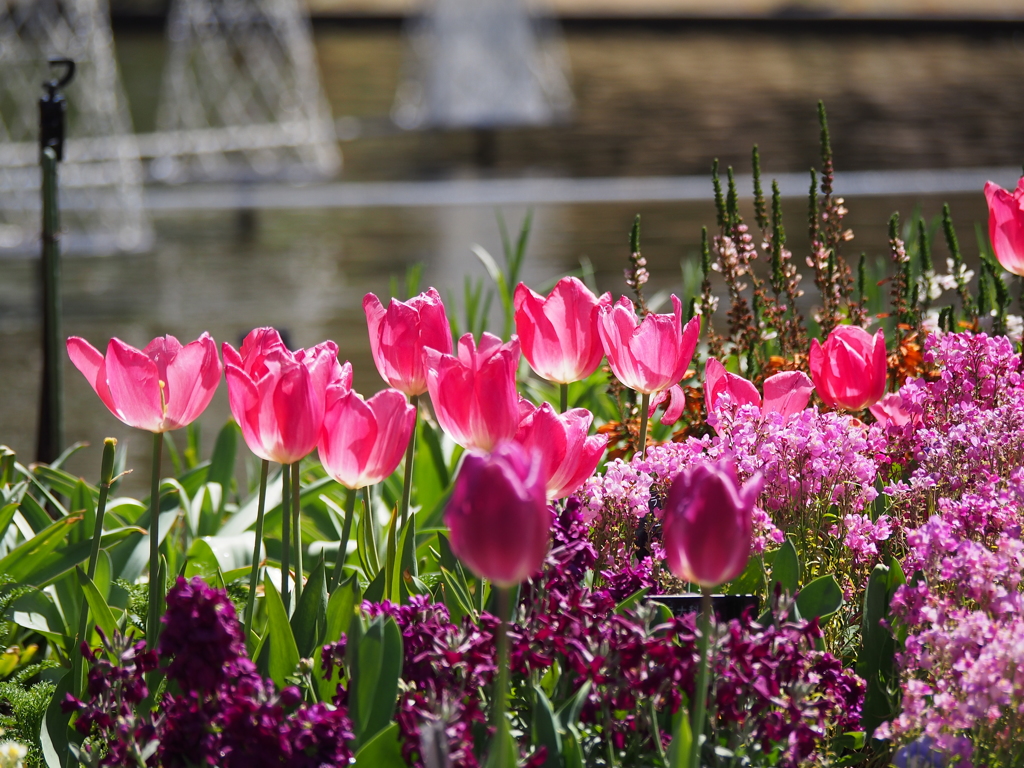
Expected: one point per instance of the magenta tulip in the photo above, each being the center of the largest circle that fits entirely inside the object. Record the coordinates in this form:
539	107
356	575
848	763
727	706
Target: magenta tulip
163	387
718	381
474	393
400	334
498	517
567	455
362	441
278	396
890	410
849	369
708	524
1006	225
558	334
650	356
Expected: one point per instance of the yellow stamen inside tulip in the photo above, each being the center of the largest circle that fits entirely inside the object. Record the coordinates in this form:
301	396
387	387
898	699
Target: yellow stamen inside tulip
163	397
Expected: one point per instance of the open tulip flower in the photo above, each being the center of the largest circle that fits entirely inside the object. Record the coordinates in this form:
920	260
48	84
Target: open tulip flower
649	356
1006	225
474	393
558	334
400	334
498	517
162	387
787	392
567	455
278	396
362	441
708	523
849	370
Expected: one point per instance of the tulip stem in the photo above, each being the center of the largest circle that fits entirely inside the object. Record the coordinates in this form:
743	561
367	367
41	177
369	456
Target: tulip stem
410	453
297	528
563	397
285	533
645	406
701	692
153	628
250	605
106	476
501	689
339	564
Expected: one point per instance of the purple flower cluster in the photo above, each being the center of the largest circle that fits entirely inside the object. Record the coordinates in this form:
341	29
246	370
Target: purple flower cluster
223	712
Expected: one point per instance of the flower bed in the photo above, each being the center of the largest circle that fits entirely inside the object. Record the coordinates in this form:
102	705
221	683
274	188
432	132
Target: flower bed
470	583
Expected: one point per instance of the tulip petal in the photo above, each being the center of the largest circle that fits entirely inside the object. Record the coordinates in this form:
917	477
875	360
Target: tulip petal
787	392
193	374
134	387
90	362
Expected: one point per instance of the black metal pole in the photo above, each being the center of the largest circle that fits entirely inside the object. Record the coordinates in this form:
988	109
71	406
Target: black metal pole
52	109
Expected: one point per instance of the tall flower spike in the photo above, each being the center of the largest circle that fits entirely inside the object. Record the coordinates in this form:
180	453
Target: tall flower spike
162	387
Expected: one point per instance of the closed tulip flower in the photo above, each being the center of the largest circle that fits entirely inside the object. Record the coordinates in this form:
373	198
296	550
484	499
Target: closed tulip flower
362	441
278	396
498	517
567	455
649	356
162	387
558	334
474	392
1006	225
708	524
400	334
849	369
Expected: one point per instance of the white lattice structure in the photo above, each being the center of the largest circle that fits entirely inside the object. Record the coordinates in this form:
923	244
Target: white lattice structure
483	64
241	96
101	193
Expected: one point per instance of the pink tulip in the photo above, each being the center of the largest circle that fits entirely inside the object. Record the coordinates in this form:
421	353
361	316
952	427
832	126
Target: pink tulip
890	410
278	396
400	334
849	369
499	520
676	399
163	387
362	441
567	456
717	381
787	392
708	525
1006	225
474	393
559	333
651	356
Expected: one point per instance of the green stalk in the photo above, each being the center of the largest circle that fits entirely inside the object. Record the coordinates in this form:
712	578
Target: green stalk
153	630
106	476
297	530
285	533
250	604
339	564
701	694
645	405
410	453
563	397
501	691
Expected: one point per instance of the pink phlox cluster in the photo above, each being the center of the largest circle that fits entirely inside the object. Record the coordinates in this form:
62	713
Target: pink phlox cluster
862	536
962	659
623	487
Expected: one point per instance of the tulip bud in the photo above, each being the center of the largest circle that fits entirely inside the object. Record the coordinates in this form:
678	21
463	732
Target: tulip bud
568	457
708	525
1006	225
850	368
162	387
649	355
558	334
498	517
400	334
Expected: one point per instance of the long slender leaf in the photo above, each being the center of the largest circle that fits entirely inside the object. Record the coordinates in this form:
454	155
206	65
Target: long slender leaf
23	560
284	654
309	622
101	613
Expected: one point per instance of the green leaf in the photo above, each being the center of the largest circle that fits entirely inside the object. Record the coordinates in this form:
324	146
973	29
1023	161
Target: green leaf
432	441
405	563
785	570
36	611
309	622
545	730
375	589
391	590
821	598
375	663
21	562
502	752
284	654
101	613
631	602
53	735
62	482
875	659
682	741
61	561
569	713
457	591
342	607
382	751
572	753
366	544
751	581
222	462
